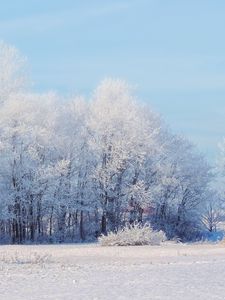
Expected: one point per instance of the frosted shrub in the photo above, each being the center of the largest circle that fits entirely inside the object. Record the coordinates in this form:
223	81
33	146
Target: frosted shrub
31	258
133	235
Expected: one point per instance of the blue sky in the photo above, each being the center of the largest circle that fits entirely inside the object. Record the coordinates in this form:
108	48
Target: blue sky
173	51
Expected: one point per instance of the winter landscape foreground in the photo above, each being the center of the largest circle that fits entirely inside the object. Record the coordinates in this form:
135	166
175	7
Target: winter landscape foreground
171	271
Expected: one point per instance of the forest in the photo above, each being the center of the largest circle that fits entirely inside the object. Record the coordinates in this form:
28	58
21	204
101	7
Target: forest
74	168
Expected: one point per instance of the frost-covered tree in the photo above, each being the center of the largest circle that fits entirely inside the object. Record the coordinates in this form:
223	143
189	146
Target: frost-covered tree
120	139
24	143
183	178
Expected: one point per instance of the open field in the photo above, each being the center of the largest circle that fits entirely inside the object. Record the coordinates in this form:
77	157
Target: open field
171	271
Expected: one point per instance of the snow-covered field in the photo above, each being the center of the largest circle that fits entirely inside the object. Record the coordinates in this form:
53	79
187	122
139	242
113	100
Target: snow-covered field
171	271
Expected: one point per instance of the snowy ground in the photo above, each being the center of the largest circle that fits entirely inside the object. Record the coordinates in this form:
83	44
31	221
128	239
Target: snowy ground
94	272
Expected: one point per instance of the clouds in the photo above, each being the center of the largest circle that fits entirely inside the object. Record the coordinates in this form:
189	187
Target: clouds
67	14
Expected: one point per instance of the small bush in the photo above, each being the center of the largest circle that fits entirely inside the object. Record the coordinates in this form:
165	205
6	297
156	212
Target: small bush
133	235
32	258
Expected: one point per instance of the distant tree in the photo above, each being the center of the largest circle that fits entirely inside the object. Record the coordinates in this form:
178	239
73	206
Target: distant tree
13	77
213	210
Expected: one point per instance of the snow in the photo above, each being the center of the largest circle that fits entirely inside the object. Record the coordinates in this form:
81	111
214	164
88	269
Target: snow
171	271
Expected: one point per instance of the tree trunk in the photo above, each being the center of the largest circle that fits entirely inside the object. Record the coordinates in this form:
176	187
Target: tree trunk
82	236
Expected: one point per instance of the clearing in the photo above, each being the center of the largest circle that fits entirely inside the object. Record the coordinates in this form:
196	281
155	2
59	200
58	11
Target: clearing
61	272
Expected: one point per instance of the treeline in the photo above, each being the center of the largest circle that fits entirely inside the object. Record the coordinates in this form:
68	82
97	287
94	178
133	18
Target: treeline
72	170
